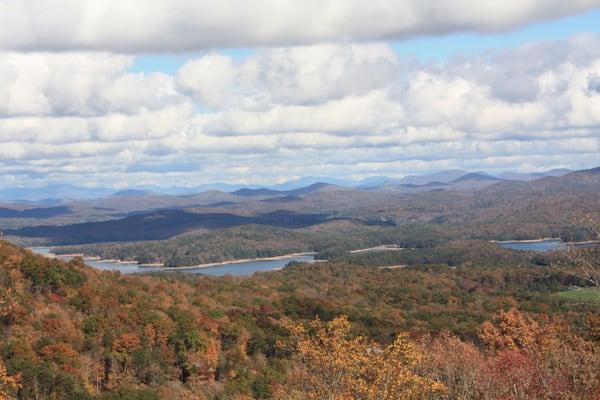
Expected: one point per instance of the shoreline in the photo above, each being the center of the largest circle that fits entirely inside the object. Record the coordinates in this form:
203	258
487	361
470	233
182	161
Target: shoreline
384	247
239	261
87	258
393	266
586	242
160	266
528	240
546	240
151	265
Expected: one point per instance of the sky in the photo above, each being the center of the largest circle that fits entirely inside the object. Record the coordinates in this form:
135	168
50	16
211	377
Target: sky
182	93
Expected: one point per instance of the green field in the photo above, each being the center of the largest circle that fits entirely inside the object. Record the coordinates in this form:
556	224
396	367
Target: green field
587	294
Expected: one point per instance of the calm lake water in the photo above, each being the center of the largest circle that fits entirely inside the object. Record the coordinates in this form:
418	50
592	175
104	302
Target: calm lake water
243	268
247	268
541	246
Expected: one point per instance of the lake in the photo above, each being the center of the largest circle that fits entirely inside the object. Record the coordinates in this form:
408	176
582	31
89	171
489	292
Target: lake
233	268
537	246
245	268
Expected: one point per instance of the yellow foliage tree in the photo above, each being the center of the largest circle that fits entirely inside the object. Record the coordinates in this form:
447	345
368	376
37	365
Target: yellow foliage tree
8	305
331	364
8	384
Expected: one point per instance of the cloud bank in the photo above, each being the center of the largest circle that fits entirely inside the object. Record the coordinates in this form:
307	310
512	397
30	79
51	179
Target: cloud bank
331	109
134	26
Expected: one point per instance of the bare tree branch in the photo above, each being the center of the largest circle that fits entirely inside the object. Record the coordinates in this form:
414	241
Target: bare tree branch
583	260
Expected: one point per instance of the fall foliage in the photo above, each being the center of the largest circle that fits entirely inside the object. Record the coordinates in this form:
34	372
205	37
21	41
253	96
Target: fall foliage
478	332
333	365
584	261
8	384
521	360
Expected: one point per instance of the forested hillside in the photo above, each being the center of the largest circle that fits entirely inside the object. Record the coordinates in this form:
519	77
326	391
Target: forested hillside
330	220
253	241
70	332
331	241
503	210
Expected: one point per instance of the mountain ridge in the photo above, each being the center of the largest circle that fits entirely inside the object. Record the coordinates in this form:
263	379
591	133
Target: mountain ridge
55	194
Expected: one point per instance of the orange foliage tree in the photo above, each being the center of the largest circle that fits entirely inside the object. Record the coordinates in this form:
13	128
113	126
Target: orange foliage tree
527	360
523	359
513	331
331	364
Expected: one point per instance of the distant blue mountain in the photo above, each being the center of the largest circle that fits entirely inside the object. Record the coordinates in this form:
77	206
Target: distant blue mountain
179	190
310	180
442	176
247	192
477	176
374	182
132	193
516	176
61	191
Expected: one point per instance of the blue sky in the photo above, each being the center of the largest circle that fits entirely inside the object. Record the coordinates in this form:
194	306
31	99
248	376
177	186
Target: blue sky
423	48
439	48
170	63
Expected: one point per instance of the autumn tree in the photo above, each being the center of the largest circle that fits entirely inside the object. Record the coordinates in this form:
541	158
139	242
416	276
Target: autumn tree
9	307
8	384
332	364
513	331
458	365
124	346
528	360
584	261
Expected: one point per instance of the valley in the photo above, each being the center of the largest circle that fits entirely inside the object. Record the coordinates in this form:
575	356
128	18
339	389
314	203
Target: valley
330	220
195	293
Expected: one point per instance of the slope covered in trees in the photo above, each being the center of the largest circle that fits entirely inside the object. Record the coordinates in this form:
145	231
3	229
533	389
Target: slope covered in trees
255	241
504	210
332	223
70	332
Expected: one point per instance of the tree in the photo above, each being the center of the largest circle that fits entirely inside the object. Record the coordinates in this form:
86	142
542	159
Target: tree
584	261
123	348
331	364
8	384
9	306
527	360
458	365
514	331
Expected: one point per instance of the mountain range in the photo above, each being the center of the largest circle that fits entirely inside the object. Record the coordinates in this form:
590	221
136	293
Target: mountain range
476	197
59	193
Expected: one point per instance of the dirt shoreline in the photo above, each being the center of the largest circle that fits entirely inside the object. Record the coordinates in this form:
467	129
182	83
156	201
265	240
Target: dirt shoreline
159	266
239	261
527	240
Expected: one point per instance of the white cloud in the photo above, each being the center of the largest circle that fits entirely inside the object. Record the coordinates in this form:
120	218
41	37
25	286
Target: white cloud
59	84
159	25
288	76
209	79
350	110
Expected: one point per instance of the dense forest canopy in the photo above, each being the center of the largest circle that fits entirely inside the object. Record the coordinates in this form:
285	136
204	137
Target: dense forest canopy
71	332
